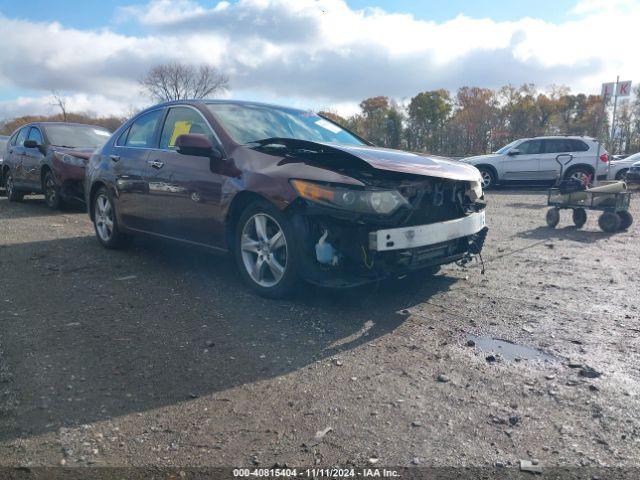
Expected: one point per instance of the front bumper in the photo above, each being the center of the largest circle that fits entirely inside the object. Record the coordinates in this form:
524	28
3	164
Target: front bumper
363	255
425	235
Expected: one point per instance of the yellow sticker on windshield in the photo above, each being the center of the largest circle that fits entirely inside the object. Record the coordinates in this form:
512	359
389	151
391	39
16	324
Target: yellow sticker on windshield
180	128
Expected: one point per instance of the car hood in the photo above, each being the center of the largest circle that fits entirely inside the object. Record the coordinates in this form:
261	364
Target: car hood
407	162
349	157
83	153
481	158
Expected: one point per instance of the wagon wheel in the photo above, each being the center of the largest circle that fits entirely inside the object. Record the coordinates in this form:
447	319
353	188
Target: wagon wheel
609	222
579	217
553	217
626	220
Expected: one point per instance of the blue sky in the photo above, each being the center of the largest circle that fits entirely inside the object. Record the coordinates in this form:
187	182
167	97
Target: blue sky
308	53
95	14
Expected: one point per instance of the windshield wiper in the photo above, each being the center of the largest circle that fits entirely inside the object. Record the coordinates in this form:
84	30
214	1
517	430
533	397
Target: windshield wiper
64	146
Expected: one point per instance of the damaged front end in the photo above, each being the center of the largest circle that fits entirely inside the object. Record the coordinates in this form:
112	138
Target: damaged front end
397	223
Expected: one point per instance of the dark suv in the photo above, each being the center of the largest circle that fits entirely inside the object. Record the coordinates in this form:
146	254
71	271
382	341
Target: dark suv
49	158
291	194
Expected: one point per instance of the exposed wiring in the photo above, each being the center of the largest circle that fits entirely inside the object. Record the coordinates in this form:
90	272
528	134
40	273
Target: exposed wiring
364	258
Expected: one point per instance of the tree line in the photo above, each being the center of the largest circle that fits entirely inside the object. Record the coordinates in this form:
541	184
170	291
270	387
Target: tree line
477	120
472	121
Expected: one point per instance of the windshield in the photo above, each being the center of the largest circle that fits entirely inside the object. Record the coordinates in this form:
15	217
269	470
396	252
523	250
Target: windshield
76	136
250	123
506	148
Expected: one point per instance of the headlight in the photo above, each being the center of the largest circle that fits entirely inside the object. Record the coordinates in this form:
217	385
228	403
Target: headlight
475	190
70	160
383	202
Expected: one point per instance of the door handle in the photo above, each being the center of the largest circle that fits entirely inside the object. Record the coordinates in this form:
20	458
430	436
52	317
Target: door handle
115	158
157	164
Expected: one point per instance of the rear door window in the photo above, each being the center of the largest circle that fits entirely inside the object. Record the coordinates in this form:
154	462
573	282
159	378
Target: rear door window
557	145
142	132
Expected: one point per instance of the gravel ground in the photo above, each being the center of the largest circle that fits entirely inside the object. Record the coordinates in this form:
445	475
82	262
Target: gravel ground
158	356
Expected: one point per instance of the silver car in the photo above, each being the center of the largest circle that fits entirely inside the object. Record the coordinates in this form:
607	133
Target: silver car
533	161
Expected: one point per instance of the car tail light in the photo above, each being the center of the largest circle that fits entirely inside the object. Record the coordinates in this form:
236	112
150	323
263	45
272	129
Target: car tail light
604	157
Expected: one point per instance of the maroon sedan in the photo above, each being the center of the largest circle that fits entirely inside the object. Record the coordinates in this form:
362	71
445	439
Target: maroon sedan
292	195
50	158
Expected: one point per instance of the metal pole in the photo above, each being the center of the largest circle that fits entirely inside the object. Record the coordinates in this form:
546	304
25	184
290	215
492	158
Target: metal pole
613	120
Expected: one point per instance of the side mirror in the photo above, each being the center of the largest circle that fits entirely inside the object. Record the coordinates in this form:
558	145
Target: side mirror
198	145
30	144
513	152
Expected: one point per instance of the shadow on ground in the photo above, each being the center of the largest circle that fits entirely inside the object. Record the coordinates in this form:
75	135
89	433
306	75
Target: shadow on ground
91	334
565	233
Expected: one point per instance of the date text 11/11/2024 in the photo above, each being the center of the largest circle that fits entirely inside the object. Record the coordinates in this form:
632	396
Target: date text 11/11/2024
316	473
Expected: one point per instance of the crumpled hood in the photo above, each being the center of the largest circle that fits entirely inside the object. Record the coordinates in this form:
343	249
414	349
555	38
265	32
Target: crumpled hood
407	162
84	153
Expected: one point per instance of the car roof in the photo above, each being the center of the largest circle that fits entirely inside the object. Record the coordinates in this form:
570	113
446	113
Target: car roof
204	101
77	124
556	137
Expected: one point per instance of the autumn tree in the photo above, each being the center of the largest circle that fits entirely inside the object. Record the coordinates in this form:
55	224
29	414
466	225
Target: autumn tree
428	113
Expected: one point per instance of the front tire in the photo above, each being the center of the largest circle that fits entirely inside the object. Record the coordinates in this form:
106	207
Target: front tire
266	250
621	174
105	221
488	178
51	192
13	195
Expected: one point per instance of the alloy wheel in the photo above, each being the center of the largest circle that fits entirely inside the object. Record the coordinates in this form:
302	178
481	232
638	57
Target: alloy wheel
487	179
50	191
264	250
104	217
580	176
9	186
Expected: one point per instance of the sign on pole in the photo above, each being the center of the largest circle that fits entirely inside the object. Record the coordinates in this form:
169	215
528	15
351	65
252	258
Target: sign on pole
608	89
623	89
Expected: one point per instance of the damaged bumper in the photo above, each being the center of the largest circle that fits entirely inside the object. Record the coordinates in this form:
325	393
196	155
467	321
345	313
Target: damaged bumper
425	235
348	254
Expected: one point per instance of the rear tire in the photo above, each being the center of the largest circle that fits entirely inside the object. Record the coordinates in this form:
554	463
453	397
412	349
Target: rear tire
553	217
105	221
580	174
609	222
51	191
13	195
626	220
579	217
266	251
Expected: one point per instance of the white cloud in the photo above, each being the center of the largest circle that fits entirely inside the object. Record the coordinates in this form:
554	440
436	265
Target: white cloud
320	52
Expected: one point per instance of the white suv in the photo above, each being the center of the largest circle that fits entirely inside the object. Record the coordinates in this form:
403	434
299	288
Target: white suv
533	160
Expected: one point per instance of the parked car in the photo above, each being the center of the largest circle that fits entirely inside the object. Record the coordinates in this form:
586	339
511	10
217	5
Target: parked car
50	158
619	168
632	177
3	147
533	161
291	194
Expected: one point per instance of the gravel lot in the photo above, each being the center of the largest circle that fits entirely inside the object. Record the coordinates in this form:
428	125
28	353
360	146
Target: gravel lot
158	355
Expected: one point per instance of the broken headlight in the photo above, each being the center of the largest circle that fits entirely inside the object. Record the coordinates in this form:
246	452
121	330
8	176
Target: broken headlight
382	202
475	190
